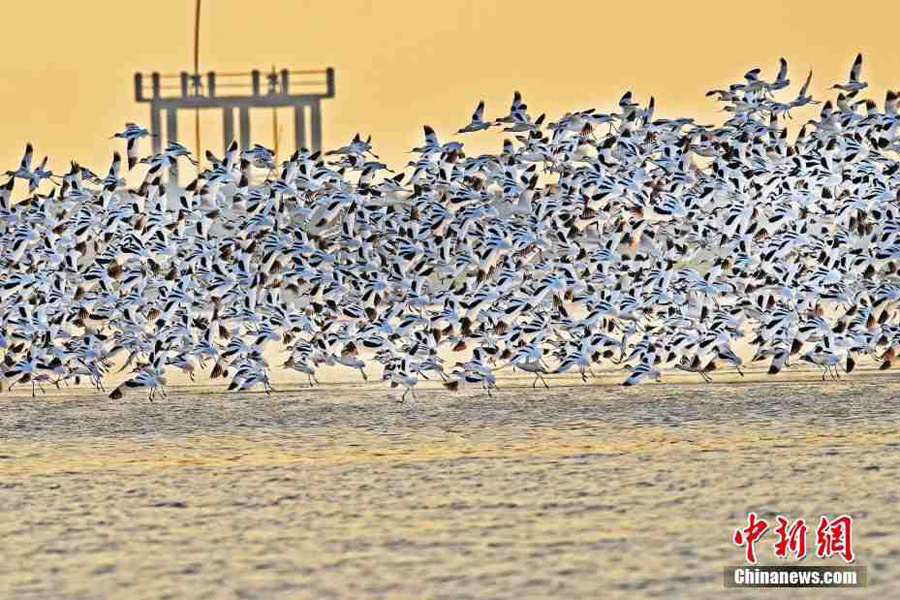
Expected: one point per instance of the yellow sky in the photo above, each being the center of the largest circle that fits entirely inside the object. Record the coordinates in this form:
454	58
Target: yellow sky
67	67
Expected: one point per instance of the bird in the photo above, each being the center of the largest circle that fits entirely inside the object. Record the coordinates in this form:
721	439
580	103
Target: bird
516	110
24	170
38	175
144	379
131	134
696	366
534	366
803	98
477	123
641	372
781	79
853	83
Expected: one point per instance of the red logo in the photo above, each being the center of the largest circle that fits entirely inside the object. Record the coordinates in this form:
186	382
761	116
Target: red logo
833	537
791	538
749	535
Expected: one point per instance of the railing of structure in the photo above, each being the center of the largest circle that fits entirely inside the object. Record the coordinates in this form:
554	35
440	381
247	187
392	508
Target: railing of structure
171	86
235	95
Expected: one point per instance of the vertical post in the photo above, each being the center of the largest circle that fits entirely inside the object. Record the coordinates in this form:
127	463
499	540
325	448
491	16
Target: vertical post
155	127
172	136
211	84
228	125
329	80
171	124
138	87
300	126
284	81
254	81
244	112
154	78
316	126
184	84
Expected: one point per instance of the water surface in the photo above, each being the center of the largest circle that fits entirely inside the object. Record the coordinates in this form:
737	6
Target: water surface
341	492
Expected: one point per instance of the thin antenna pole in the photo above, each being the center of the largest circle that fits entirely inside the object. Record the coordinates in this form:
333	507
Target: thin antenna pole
275	130
275	120
197	75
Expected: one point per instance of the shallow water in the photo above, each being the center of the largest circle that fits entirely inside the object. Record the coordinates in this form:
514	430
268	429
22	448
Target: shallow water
341	492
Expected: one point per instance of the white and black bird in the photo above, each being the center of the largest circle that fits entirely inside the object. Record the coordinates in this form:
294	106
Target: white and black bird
853	83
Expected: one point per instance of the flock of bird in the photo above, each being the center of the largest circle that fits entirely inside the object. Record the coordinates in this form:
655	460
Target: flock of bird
620	239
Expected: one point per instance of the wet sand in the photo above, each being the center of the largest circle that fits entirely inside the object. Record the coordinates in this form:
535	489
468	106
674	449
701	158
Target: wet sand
341	492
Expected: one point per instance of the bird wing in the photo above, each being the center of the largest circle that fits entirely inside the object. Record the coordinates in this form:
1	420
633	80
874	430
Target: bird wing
478	115
857	67
806	84
430	137
517	101
782	71
116	165
131	150
26	158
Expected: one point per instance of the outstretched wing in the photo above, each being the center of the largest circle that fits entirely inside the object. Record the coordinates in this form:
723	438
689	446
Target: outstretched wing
478	115
806	84
855	70
26	158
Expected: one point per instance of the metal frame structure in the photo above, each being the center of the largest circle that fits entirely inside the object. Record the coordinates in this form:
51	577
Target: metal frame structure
242	91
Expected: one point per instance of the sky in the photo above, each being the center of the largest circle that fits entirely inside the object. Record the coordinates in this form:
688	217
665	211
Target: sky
68	67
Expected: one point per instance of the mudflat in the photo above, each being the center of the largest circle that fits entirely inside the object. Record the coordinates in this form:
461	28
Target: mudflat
342	492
